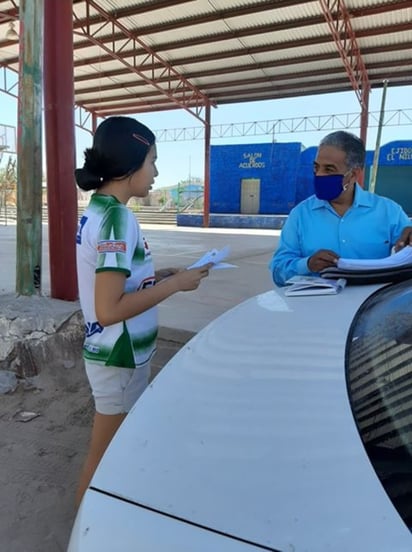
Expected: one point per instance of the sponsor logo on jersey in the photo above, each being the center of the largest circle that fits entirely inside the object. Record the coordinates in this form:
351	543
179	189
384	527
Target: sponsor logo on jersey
147	252
147	282
92	328
92	348
111	246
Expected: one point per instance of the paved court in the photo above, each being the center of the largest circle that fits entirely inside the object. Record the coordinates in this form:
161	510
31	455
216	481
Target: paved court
251	251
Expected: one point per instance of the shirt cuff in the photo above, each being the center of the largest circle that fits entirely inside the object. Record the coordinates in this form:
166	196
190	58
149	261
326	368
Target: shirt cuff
302	266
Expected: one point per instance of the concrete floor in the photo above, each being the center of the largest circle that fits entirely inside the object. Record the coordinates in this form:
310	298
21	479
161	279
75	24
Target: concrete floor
251	251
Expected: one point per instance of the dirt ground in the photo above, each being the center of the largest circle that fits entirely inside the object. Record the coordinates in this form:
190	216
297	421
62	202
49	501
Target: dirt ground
40	459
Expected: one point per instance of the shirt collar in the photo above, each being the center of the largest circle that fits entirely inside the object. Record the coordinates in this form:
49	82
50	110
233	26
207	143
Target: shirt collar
362	199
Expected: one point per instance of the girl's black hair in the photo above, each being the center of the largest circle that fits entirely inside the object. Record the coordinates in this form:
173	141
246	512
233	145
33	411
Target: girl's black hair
120	146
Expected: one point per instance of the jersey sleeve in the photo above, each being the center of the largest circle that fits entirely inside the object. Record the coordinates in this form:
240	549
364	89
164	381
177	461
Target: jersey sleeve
117	239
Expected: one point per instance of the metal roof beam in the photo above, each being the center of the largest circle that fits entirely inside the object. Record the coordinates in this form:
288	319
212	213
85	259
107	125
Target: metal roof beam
9	15
311	123
83	118
8	84
296	61
190	94
240	33
311	87
256	7
210	18
285	46
217	37
268	91
382	8
285	77
298	93
272	92
262	65
338	19
144	108
130	11
314	41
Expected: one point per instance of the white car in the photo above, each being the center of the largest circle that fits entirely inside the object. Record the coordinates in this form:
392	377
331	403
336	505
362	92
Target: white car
285	425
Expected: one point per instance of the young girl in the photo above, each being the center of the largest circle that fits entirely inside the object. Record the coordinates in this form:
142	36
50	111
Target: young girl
118	295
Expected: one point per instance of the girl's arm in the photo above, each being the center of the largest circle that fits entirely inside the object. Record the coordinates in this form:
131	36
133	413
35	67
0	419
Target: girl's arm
163	273
114	305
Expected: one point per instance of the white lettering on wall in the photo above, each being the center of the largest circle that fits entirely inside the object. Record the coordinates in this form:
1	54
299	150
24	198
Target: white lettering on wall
251	161
399	154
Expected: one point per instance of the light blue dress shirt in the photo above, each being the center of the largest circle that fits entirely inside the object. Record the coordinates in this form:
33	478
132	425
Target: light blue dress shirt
368	230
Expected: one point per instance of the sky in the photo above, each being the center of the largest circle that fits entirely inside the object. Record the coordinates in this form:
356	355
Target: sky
181	160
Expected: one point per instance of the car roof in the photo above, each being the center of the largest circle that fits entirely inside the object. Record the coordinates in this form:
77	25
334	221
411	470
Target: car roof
248	430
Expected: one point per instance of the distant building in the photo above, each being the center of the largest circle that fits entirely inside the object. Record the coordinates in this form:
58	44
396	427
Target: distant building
272	178
187	195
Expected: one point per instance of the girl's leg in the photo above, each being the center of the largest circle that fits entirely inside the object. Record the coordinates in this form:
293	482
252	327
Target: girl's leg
114	390
104	428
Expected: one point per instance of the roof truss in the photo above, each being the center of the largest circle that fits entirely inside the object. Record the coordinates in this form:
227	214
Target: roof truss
152	55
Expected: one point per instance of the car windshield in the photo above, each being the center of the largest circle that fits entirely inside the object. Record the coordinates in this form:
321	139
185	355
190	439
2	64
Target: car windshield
379	379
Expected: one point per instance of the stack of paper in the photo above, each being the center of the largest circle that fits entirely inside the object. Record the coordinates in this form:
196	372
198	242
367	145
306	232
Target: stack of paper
401	258
395	268
313	285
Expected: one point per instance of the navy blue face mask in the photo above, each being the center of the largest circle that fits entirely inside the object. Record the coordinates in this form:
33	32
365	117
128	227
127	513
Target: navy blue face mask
329	186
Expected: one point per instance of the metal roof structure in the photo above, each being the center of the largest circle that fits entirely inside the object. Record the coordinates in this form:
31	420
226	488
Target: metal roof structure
133	56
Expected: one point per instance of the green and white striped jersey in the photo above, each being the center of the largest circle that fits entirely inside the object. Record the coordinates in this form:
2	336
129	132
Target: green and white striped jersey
109	238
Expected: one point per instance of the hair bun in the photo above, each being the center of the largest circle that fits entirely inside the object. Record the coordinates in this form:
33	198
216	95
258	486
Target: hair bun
87	180
97	164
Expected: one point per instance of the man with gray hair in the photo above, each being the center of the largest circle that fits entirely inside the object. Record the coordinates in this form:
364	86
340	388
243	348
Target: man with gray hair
341	219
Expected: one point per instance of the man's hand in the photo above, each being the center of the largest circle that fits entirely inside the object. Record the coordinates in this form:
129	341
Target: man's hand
405	239
323	258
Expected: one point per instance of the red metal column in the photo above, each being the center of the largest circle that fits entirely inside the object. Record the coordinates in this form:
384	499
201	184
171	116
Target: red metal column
94	123
206	192
60	147
339	21
364	121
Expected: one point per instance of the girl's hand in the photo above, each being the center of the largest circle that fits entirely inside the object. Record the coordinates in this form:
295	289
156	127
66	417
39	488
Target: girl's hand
189	279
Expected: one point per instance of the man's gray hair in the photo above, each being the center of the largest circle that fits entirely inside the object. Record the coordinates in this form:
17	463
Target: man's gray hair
353	147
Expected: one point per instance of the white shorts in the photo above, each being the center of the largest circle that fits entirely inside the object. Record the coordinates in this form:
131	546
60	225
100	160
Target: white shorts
115	390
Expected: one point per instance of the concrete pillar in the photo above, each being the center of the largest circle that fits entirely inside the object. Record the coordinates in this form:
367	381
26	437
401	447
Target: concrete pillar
29	150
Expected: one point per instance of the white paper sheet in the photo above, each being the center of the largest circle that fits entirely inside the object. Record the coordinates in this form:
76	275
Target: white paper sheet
214	256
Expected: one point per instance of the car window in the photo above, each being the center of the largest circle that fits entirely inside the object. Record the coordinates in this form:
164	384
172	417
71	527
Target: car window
379	378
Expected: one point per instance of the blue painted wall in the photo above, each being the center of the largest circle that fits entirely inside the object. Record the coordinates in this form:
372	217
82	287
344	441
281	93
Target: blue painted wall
394	176
305	186
276	165
285	171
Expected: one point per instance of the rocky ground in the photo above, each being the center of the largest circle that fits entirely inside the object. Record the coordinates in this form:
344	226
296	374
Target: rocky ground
44	427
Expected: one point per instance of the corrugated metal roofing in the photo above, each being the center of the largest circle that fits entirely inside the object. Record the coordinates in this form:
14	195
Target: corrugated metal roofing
132	56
